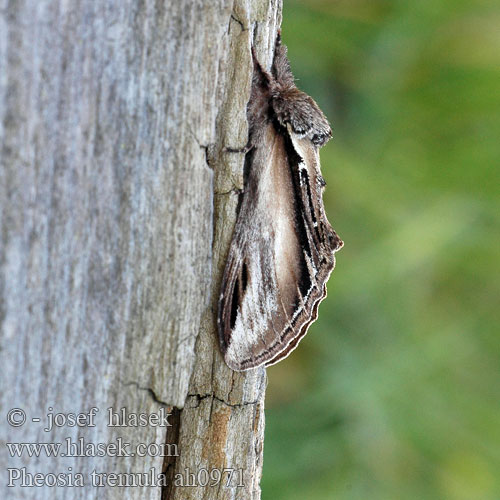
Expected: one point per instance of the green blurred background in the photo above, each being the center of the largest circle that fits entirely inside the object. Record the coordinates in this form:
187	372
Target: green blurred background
395	392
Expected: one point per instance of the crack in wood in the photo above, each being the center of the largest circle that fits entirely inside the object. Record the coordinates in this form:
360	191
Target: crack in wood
201	397
169	463
150	391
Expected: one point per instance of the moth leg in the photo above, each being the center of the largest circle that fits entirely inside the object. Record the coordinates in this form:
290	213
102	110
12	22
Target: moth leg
245	149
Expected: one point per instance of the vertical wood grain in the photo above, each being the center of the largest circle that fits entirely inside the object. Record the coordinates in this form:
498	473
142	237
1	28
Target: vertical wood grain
117	204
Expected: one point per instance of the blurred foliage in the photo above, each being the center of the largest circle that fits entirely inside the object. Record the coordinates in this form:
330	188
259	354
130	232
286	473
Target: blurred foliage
395	392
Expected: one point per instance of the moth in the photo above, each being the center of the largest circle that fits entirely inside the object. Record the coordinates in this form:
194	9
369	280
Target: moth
283	247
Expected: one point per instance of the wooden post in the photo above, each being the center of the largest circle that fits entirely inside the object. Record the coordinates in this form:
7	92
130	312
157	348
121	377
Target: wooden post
117	204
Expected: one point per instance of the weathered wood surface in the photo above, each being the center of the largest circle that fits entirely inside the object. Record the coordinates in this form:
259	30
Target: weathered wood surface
114	231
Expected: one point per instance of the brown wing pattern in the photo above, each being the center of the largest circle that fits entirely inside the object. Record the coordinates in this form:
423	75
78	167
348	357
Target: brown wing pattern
283	246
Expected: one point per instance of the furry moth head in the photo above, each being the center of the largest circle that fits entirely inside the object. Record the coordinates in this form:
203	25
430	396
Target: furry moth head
283	246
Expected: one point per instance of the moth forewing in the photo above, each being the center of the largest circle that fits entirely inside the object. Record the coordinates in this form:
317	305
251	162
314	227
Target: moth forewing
282	251
264	239
311	186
